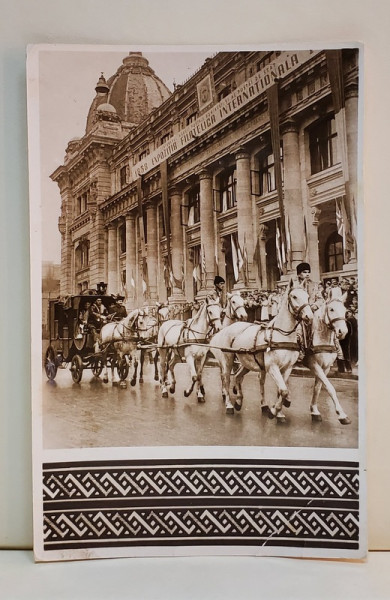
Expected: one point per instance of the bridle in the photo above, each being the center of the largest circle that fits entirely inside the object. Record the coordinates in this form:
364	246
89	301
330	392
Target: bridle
296	312
329	323
232	310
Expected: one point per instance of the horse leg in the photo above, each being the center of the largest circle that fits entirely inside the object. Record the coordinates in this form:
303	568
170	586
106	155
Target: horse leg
201	361
314	410
163	372
114	377
263	404
135	365
172	362
155	361
276	410
225	362
322	376
191	363
239	376
141	366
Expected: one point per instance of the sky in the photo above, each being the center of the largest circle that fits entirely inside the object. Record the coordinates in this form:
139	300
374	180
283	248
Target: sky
67	80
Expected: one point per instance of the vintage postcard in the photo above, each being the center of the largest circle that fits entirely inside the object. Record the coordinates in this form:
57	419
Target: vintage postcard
195	235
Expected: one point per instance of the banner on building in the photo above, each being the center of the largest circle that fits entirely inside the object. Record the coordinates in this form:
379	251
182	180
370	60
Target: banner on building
252	88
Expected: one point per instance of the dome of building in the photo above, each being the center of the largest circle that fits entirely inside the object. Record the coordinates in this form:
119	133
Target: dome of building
134	91
105	107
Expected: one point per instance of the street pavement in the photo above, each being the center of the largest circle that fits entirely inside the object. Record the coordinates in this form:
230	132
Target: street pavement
94	414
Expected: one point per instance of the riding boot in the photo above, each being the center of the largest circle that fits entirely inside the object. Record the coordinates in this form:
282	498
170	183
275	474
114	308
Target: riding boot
348	367
340	365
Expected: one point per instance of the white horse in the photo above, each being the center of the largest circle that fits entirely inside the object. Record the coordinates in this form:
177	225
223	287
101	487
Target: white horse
271	349
235	309
148	334
119	341
177	341
329	322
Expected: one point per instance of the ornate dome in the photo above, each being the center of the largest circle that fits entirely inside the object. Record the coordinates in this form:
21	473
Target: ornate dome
134	91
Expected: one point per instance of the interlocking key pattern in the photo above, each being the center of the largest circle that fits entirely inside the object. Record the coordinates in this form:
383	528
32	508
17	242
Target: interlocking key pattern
205	502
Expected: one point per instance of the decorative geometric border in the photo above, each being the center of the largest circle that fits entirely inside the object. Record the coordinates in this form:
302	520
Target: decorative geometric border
201	502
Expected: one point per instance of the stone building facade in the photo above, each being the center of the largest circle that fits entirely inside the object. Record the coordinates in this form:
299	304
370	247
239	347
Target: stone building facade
166	190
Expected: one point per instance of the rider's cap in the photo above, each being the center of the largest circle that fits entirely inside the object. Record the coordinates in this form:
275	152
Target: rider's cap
303	267
120	297
218	279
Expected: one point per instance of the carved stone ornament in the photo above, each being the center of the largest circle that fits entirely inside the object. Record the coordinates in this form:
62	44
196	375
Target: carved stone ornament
315	215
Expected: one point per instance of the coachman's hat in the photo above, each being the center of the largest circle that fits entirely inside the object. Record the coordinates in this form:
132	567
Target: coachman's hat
218	279
303	267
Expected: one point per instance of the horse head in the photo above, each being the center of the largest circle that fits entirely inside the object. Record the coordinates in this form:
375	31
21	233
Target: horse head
334	316
163	311
213	312
235	308
298	303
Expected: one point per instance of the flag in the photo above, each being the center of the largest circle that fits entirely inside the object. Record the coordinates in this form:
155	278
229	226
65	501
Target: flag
288	240
203	264
237	258
280	251
342	224
306	239
245	265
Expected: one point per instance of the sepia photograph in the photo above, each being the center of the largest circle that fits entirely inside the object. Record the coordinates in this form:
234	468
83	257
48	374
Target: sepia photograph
195	283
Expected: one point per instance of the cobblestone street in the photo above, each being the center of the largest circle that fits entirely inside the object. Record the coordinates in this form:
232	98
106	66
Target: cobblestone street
94	414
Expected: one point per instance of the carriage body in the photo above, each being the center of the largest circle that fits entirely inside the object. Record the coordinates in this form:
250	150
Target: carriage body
69	341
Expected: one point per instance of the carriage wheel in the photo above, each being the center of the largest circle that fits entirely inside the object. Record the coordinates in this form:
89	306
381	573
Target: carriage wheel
76	368
50	363
97	366
122	368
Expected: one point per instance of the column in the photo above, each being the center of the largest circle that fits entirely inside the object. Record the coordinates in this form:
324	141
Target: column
207	231
351	117
131	265
151	228
245	225
176	245
112	260
293	192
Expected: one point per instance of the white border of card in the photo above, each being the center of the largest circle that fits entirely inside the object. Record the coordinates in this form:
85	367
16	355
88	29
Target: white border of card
160	499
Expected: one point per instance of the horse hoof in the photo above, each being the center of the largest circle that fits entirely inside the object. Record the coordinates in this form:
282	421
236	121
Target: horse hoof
230	410
270	414
286	402
234	390
123	384
164	394
105	379
281	420
345	421
316	418
115	383
237	406
156	378
265	410
141	379
186	393
201	399
172	389
132	382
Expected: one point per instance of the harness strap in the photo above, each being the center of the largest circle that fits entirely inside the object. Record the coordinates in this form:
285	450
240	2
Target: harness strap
323	348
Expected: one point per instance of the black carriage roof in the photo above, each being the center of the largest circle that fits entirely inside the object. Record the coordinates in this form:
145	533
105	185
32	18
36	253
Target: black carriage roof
80	299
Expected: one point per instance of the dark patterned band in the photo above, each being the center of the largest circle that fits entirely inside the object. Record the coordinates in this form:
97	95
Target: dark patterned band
201	502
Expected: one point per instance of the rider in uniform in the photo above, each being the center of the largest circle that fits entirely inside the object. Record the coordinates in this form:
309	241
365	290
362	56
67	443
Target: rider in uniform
219	288
97	318
315	301
304	331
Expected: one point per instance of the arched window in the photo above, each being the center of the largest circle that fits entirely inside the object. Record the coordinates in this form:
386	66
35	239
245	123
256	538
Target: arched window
82	255
334	252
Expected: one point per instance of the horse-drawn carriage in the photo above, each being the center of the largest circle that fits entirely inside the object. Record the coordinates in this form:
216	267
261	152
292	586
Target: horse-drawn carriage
71	341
